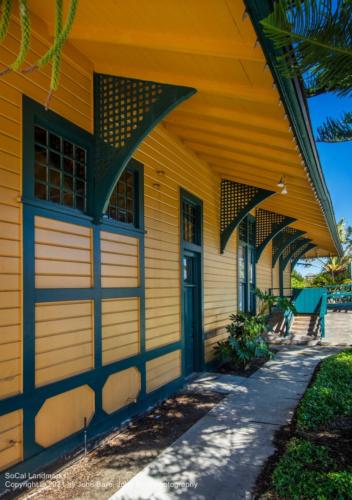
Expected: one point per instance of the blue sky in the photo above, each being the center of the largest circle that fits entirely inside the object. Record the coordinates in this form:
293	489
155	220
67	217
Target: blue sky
336	159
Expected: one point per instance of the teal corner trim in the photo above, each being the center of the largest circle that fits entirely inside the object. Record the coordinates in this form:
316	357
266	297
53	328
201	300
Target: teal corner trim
237	200
268	225
137	106
292	95
282	240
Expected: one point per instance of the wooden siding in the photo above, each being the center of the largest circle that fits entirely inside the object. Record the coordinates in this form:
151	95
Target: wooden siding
63	339
163	369
264	270
168	166
276	277
73	101
63	415
119	260
63	254
120	329
121	389
11	439
287	279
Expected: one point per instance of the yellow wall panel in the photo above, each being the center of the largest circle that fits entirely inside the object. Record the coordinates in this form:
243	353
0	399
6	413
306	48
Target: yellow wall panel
120	328
11	439
121	389
287	279
64	344
163	369
63	415
264	270
63	254
119	260
276	277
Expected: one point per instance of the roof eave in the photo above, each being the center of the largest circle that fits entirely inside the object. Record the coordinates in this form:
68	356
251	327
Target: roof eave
295	104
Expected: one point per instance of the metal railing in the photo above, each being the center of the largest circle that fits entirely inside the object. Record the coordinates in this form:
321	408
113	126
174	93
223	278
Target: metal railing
322	313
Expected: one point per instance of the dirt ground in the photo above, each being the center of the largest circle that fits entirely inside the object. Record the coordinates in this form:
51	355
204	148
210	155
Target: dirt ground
121	455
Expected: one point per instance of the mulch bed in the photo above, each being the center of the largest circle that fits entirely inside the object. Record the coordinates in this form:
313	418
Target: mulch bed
251	367
336	436
120	456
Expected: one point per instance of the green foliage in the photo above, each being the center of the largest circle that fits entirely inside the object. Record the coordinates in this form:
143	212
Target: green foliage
314	39
245	341
331	394
306	471
333	130
267	301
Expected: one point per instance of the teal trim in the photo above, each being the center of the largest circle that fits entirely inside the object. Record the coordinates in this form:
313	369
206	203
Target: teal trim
170	97
199	305
250	300
292	95
261	195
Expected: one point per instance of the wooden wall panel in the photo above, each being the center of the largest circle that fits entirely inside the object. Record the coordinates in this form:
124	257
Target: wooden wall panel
63	254
64	343
63	415
287	279
263	269
163	369
119	260
168	166
121	389
73	100
120	328
276	277
11	439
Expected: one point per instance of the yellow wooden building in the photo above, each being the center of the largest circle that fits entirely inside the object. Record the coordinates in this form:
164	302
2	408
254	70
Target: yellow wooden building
174	172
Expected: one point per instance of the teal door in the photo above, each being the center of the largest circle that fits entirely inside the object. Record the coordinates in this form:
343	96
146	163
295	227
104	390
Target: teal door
246	266
191	294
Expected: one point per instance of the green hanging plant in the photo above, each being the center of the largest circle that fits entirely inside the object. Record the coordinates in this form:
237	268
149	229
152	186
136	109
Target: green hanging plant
54	53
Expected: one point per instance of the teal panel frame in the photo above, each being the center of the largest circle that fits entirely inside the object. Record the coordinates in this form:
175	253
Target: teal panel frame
237	200
112	158
32	397
273	223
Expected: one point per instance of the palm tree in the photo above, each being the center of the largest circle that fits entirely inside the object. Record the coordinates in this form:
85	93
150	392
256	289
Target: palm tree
335	265
314	39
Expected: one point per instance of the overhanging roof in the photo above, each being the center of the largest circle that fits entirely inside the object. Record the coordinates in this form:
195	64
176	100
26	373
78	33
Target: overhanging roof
238	121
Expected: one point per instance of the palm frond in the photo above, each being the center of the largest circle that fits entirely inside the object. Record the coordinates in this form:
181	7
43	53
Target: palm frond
314	38
334	130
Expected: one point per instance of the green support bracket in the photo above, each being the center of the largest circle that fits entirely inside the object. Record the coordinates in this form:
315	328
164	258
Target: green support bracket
292	250
237	200
125	112
295	258
268	225
285	237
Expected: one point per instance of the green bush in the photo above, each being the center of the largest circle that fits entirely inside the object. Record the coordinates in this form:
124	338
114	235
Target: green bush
304	472
245	341
331	394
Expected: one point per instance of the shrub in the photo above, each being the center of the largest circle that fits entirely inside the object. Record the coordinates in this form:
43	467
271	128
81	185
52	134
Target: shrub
304	471
245	341
331	394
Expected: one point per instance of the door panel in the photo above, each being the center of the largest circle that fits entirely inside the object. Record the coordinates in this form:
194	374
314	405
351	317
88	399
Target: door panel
191	291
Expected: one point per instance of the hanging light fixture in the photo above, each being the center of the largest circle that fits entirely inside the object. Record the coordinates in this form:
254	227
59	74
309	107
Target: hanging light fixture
281	183
284	190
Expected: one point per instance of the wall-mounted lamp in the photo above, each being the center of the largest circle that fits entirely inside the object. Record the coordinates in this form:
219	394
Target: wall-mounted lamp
282	185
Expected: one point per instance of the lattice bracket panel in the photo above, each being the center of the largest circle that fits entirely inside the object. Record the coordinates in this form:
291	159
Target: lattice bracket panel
125	111
237	200
285	237
291	249
268	225
300	252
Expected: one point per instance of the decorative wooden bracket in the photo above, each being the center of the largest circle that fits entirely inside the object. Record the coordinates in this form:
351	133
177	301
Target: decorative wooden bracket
298	254
291	250
125	111
285	237
237	200
268	225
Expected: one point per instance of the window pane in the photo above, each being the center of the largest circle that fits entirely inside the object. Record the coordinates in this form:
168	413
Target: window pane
40	172
54	160
191	223
80	155
80	171
68	182
55	142
68	199
54	178
122	199
54	195
68	149
40	191
40	135
68	166
40	154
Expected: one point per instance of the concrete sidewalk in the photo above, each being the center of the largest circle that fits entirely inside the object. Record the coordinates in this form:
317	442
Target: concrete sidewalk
221	456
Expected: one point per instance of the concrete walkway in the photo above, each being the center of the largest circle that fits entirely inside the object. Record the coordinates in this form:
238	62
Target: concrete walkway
221	456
